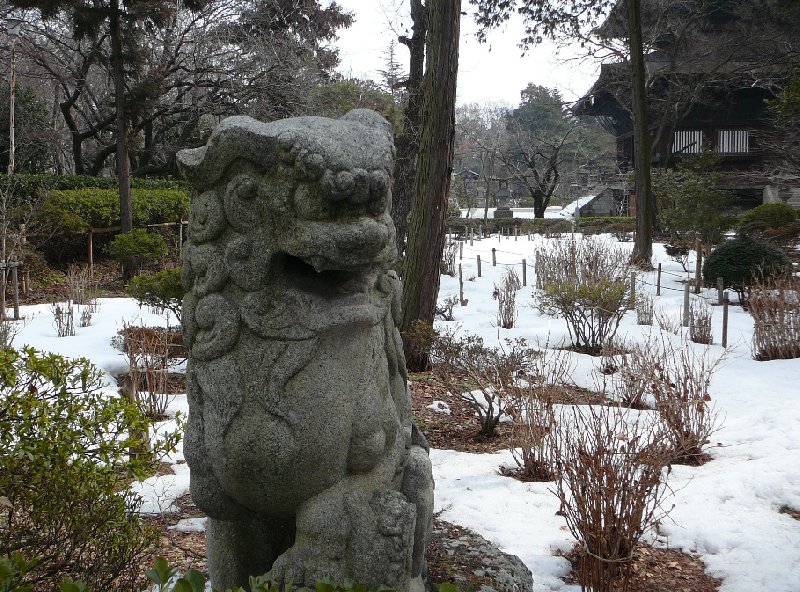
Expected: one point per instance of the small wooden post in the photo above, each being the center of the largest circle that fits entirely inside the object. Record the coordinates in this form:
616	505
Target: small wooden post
460	285
180	236
15	288
719	291
516	233
480	231
633	289
26	283
90	253
524	272
658	281
461	250
494	257
698	268
470	236
479	266
686	305
725	320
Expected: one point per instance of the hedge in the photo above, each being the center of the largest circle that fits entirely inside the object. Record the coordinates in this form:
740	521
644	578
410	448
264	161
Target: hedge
28	188
77	210
587	225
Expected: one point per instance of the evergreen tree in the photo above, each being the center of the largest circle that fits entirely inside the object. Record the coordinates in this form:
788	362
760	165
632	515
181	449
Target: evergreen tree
433	171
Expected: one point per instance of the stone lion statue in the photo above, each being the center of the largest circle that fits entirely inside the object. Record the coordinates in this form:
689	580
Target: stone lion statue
300	438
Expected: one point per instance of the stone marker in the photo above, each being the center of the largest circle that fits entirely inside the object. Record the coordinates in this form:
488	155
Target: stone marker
300	438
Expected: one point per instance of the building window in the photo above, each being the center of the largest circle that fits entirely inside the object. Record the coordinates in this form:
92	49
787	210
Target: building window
733	141
687	142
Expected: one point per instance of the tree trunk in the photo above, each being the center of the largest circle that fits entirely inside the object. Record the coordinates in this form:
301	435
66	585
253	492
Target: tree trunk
434	168
123	166
538	204
645	212
407	140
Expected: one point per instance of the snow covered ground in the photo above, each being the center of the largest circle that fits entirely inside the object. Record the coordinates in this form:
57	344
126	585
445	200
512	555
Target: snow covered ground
726	511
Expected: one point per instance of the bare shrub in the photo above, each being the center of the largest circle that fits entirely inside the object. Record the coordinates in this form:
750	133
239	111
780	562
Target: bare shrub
775	308
8	332
63	318
644	309
628	382
481	376
445	310
582	261
632	381
417	342
532	399
448	263
584	282
81	289
611	357
680	390
700	322
677	380
86	317
623	237
506	296
611	468
669	322
148	374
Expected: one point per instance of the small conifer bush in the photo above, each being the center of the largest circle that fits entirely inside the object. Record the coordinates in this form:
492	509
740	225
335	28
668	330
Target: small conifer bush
743	261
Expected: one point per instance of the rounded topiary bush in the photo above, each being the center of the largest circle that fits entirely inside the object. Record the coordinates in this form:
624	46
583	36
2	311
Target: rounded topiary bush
776	223
742	261
137	248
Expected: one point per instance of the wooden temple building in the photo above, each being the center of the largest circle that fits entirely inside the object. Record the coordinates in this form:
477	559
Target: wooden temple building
712	67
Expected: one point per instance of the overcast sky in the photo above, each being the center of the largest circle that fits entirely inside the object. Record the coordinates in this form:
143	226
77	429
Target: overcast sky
490	72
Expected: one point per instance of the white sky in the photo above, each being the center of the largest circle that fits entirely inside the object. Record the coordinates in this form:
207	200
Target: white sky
491	72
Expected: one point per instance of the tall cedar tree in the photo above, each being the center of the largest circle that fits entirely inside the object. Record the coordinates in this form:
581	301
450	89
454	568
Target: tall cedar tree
434	166
406	139
567	17
119	20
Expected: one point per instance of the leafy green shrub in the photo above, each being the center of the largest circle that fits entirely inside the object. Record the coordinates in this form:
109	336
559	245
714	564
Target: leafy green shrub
776	223
743	261
78	210
592	311
65	461
162	289
138	247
